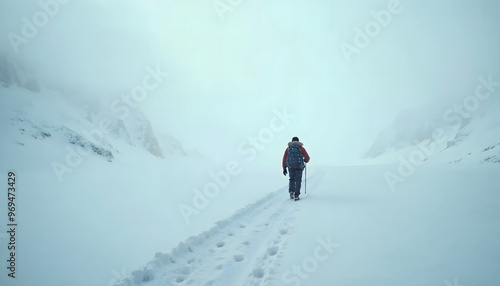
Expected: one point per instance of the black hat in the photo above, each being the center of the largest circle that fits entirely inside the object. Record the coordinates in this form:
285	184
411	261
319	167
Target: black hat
295	139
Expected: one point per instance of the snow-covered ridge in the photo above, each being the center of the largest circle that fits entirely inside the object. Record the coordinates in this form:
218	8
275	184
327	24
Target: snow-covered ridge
37	111
411	131
477	142
42	132
409	128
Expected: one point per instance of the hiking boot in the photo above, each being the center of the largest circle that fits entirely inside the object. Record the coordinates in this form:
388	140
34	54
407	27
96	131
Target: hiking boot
291	195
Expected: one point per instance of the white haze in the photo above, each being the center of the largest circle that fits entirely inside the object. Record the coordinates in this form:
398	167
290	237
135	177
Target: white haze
227	76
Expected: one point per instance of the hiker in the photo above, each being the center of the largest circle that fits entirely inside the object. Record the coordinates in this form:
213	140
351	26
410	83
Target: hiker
295	158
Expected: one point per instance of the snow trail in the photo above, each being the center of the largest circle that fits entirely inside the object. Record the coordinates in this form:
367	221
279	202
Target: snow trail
241	250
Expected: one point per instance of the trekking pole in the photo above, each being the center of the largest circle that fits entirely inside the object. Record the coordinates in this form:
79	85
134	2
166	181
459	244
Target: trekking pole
305	186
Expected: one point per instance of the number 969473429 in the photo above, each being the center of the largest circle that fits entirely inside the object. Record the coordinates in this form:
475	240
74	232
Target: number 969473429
11	196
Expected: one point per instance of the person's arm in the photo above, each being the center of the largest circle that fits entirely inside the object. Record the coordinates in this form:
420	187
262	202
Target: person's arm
284	159
304	153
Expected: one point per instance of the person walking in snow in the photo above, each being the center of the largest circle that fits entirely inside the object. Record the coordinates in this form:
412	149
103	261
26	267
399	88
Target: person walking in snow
294	159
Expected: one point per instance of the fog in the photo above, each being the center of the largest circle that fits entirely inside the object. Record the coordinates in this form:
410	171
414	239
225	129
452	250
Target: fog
234	65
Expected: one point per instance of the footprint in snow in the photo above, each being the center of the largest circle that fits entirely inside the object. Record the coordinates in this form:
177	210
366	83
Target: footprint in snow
220	244
284	231
258	272
242	226
239	258
272	250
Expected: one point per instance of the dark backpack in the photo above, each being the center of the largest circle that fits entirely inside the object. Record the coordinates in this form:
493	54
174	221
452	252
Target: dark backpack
295	159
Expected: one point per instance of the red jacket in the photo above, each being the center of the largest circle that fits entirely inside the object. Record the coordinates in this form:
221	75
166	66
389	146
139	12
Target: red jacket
302	151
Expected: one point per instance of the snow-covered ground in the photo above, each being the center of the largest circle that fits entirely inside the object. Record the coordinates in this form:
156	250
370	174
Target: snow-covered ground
137	220
350	229
93	210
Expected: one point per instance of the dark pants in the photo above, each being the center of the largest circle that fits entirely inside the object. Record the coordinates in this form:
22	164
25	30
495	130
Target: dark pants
295	181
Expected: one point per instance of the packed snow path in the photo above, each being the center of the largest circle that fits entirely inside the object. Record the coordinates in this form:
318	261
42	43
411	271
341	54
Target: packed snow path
241	250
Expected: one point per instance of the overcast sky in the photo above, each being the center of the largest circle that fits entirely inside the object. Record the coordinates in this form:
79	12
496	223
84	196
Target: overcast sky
230	70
